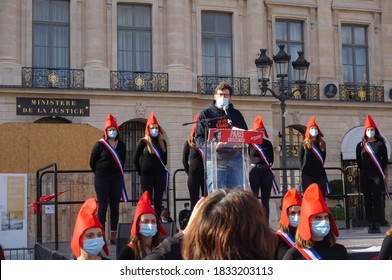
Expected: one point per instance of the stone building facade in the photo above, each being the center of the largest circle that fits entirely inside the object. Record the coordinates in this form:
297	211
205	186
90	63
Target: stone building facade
349	79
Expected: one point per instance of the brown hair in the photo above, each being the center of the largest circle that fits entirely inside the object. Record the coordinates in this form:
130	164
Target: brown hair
330	238
149	144
308	143
191	141
389	231
138	247
230	224
224	85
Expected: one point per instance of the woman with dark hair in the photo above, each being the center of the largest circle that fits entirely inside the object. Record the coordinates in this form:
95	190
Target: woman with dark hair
146	231
312	154
192	160
229	225
372	159
107	161
150	161
316	234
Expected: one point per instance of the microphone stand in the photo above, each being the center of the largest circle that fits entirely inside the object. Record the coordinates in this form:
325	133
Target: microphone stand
206	129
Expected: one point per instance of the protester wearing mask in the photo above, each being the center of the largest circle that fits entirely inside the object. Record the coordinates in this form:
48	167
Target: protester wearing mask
372	159
221	115
146	231
316	234
88	240
107	161
150	161
312	154
289	220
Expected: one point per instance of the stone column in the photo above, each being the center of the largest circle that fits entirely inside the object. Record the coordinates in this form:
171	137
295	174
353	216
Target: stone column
256	38
96	73
10	68
179	48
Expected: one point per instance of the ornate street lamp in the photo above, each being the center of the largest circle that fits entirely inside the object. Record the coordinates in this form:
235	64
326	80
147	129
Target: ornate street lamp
282	60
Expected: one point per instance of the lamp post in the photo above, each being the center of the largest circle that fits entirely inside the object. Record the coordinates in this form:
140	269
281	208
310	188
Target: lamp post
282	60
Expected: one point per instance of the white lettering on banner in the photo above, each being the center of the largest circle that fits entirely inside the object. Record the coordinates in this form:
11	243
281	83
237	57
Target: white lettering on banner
236	134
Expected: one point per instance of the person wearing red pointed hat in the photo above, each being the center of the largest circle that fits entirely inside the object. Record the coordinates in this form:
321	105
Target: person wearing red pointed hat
150	161
192	160
107	161
288	223
146	232
88	240
372	159
261	159
312	154
316	234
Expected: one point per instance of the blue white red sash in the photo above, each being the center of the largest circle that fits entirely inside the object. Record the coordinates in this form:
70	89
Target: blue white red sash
124	195
263	156
320	158
308	253
200	151
158	155
287	237
373	156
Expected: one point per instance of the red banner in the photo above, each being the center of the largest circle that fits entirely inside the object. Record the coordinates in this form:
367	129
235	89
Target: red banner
235	136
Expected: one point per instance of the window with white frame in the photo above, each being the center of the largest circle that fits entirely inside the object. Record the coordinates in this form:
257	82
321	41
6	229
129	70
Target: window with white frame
355	54
134	36
217	55
290	34
51	34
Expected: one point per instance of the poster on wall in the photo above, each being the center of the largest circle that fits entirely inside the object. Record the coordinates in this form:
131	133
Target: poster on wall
13	210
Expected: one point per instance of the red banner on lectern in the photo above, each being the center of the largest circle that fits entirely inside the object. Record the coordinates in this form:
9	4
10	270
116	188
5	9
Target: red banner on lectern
235	136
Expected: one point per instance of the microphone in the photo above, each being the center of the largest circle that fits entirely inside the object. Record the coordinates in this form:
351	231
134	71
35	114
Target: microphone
227	115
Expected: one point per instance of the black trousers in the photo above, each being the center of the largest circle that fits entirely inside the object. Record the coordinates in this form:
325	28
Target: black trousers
155	185
372	188
195	185
108	188
320	180
260	178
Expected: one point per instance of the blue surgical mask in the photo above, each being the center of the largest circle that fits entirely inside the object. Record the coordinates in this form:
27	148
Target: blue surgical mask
294	220
313	132
112	133
222	102
93	246
154	132
148	230
370	133
320	228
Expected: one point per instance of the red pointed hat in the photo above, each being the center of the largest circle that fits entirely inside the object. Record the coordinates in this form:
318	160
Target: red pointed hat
313	203
144	207
369	123
194	125
291	198
110	121
152	120
312	122
258	123
87	218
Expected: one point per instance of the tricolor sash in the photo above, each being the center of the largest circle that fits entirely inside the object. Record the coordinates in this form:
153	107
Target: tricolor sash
200	151
287	237
317	152
113	152
374	158
263	156
158	155
308	253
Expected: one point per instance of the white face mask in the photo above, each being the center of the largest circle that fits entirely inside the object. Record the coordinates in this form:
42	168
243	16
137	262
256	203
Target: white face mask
313	132
154	132
370	133
222	102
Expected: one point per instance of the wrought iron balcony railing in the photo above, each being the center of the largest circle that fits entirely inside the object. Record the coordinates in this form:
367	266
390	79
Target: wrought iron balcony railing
139	81
303	92
361	93
52	78
207	84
